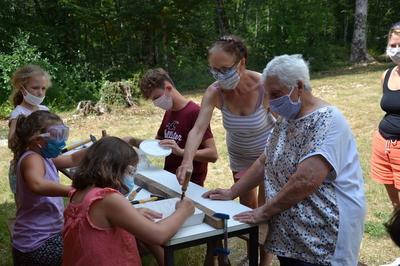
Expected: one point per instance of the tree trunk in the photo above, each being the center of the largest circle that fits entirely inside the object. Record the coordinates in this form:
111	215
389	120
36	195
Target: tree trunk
359	51
222	19
345	28
39	11
164	42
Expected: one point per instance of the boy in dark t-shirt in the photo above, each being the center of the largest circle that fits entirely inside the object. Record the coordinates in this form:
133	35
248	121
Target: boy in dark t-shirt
179	118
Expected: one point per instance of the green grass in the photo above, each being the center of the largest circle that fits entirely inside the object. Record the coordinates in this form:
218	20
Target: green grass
356	91
375	229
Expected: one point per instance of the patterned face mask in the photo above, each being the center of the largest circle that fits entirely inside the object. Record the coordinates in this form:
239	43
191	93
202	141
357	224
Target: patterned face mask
285	107
229	79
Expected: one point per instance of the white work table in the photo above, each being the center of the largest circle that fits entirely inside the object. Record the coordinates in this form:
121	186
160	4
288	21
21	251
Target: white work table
203	233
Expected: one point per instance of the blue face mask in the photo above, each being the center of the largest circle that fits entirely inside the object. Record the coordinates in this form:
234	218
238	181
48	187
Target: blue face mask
53	148
285	107
128	179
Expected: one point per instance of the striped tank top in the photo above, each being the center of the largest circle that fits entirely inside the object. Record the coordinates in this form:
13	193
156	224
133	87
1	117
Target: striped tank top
246	136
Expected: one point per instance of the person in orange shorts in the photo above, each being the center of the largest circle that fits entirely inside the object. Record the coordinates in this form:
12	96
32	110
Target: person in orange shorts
385	160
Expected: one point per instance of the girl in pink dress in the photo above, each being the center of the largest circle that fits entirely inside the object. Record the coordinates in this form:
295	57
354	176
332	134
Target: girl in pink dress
101	226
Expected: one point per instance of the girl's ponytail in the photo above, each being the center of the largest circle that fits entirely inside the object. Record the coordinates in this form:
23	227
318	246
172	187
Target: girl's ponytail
19	141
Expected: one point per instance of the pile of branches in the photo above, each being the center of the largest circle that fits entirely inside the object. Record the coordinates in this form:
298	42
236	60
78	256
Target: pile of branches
117	93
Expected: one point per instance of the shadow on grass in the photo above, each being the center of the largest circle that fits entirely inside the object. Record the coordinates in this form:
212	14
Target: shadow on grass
189	256
7	211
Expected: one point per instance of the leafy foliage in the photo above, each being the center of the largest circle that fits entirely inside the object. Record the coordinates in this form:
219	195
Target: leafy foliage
71	83
83	43
21	53
111	94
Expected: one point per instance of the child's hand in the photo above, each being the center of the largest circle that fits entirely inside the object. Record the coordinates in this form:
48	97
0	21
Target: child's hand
149	214
185	204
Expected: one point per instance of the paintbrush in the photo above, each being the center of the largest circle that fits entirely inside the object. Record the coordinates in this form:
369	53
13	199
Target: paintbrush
158	196
145	200
185	184
131	196
80	143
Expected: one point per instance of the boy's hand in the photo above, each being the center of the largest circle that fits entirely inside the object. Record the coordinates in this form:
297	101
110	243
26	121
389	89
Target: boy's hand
170	143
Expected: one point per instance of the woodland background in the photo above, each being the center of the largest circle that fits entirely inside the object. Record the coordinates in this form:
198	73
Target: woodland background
84	44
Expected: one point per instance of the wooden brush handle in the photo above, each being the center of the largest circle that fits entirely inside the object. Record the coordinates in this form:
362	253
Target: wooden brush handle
185	184
76	145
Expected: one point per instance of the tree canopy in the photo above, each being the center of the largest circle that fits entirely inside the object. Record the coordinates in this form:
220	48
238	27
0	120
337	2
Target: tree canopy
112	39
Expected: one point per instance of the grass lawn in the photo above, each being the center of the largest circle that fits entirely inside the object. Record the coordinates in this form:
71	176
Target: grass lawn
355	91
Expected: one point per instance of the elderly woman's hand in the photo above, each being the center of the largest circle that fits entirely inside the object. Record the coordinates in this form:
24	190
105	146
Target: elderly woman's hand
255	216
219	194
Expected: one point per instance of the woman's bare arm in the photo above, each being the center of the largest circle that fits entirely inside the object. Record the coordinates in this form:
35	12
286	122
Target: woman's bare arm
196	134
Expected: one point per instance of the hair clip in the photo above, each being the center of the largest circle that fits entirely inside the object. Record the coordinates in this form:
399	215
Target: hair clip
226	39
396	26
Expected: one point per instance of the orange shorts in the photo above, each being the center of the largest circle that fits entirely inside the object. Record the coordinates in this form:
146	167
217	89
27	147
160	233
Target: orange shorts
385	160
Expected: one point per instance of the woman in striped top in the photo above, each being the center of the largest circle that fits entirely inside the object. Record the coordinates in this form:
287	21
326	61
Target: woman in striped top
246	136
240	96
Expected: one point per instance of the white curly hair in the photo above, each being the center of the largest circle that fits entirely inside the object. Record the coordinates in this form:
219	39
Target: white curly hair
289	69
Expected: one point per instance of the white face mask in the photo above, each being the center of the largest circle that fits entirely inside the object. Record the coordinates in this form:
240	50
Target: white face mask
164	102
394	54
32	99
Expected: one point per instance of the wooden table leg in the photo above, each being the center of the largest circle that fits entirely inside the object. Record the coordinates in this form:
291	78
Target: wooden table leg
253	246
168	256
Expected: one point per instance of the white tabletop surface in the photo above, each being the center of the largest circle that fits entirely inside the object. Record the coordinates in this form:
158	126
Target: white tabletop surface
194	192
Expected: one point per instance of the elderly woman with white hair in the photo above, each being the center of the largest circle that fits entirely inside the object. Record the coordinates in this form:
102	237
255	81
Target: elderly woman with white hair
315	204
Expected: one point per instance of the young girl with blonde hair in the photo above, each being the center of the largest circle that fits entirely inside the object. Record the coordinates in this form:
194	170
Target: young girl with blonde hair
30	84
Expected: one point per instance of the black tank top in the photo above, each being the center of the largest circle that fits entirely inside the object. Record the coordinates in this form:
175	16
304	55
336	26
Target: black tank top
389	127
